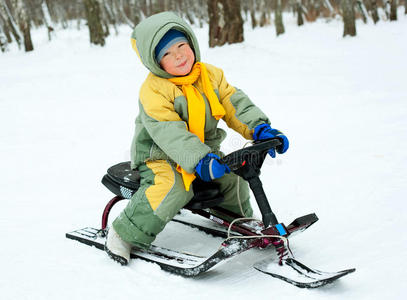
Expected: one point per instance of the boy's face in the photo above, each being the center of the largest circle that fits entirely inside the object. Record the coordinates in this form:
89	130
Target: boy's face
178	60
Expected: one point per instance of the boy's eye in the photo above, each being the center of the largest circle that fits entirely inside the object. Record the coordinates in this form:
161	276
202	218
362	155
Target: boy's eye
180	45
166	53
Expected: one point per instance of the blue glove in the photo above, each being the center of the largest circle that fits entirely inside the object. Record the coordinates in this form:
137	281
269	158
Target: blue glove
264	132
210	167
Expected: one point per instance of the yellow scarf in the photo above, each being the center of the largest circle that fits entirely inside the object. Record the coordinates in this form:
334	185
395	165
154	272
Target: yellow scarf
196	107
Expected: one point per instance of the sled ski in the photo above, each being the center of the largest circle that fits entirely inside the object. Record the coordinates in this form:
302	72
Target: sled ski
239	235
298	274
190	265
176	262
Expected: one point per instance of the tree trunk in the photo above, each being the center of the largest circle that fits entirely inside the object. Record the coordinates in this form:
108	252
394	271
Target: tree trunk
332	11
253	13
144	8
373	10
312	11
10	22
244	5
93	15
47	18
109	17
24	24
187	7
234	22
264	19
348	15
62	16
225	22
386	8
362	10
299	10
137	14
52	11
4	28
393	10
201	16
119	7
3	41
278	18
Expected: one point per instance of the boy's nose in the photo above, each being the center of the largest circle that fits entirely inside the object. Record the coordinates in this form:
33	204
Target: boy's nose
178	54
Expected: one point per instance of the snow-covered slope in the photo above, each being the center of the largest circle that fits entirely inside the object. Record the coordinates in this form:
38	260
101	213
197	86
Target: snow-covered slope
67	113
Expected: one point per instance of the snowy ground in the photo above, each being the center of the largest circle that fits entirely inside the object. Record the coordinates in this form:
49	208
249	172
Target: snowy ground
67	113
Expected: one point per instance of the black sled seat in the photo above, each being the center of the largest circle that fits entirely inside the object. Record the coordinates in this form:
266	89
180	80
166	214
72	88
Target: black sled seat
122	181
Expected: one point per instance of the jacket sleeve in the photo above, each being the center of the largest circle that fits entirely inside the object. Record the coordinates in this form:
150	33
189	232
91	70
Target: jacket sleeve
241	114
168	130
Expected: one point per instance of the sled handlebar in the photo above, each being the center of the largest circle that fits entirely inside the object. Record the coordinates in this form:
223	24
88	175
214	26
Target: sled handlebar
246	163
254	154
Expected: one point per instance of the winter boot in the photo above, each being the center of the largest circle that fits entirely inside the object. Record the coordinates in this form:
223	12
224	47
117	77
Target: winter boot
116	248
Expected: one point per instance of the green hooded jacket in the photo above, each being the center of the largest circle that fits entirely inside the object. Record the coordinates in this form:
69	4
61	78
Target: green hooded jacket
161	127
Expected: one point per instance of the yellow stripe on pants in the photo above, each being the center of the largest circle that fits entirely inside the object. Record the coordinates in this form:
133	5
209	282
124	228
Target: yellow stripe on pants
164	180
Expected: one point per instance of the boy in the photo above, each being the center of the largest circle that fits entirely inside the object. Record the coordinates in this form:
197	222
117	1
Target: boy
176	136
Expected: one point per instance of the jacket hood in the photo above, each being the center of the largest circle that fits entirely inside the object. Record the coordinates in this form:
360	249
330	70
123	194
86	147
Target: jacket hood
149	32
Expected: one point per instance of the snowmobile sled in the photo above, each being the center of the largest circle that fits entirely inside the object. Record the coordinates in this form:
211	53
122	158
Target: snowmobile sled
240	234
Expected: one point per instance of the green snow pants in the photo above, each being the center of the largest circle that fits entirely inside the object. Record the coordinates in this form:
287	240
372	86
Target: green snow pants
160	197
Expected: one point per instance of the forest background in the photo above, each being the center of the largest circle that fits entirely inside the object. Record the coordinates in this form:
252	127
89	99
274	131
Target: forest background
225	17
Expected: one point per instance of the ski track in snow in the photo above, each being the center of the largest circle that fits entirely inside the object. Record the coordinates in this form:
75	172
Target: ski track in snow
67	112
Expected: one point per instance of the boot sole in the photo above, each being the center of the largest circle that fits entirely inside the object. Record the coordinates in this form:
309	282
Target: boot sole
121	260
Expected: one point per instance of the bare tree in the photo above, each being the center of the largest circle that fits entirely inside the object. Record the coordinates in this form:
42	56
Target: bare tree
17	17
93	15
225	22
278	18
62	15
202	8
362	10
253	13
137	13
118	4
4	31
371	6
187	7
348	15
299	10
393	10
23	24
10	22
330	9
108	16
265	13
313	9
3	37
47	18
3	42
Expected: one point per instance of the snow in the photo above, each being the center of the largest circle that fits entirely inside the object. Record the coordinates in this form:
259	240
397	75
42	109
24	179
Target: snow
67	113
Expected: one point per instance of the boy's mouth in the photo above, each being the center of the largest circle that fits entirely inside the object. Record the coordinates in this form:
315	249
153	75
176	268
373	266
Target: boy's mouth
182	65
